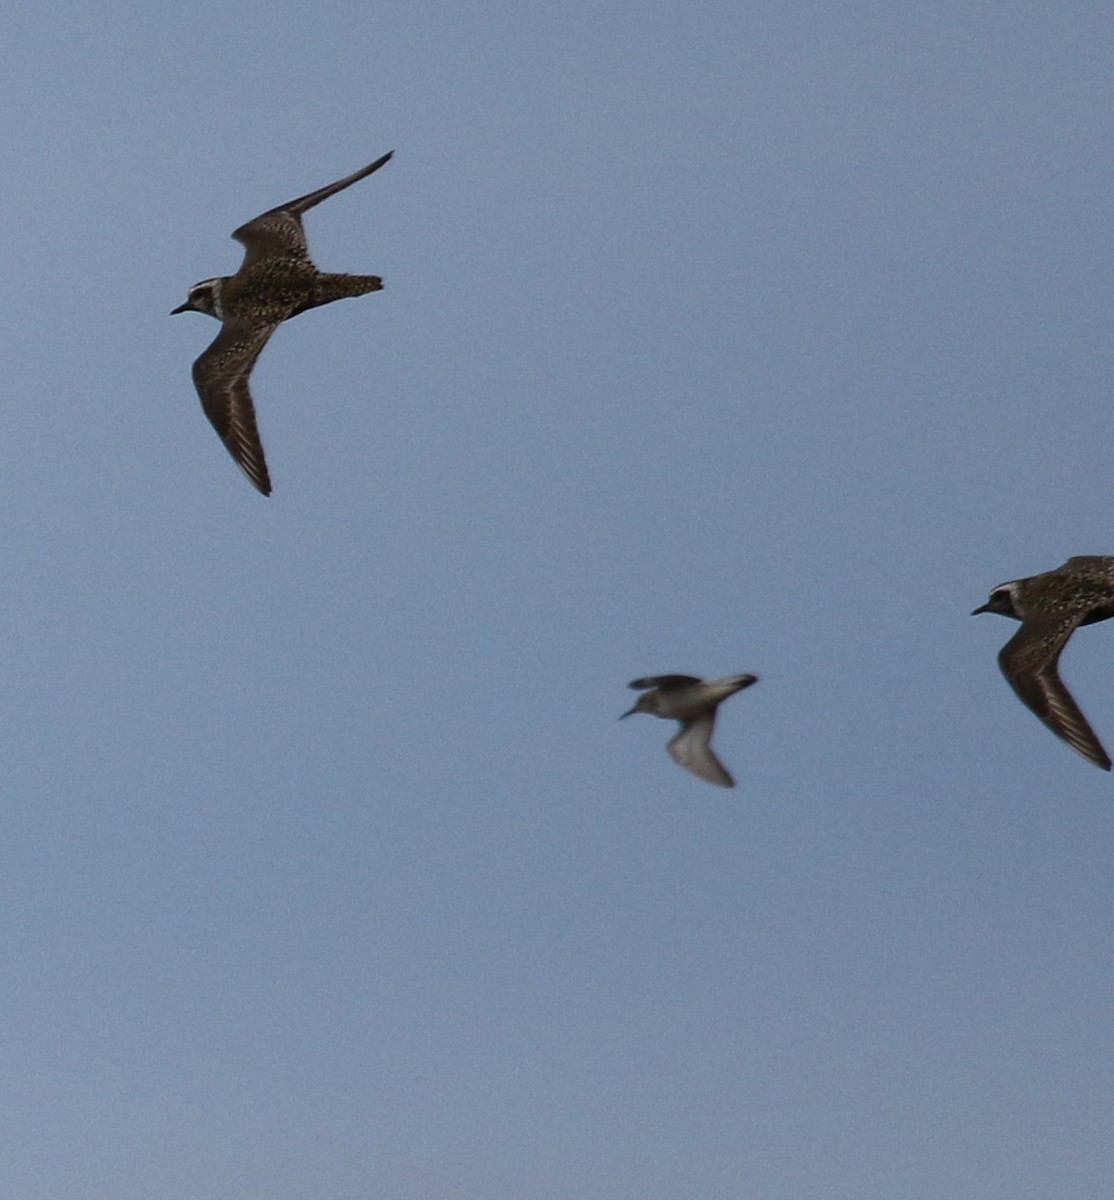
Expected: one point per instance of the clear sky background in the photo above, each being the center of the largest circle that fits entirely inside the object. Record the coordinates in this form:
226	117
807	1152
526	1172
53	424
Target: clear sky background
716	337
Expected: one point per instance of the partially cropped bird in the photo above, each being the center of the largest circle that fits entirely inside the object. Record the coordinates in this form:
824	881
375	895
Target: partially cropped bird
1050	608
276	281
693	702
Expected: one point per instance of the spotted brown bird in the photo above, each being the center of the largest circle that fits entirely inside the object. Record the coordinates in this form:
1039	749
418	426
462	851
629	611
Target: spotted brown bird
276	281
1050	608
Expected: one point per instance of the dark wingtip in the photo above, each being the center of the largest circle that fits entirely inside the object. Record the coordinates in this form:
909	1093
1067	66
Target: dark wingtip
261	483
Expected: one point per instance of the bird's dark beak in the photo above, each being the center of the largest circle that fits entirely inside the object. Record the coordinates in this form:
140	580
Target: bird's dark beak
181	308
981	609
629	712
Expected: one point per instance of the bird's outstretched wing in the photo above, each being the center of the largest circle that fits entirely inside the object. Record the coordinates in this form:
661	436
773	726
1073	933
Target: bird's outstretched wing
667	683
1030	663
691	749
278	232
221	378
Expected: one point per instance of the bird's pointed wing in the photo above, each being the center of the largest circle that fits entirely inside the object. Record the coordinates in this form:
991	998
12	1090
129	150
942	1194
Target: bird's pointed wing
278	232
665	682
221	378
1030	663
691	749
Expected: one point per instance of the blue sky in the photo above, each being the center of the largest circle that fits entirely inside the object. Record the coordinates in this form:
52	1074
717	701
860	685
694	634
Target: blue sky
715	338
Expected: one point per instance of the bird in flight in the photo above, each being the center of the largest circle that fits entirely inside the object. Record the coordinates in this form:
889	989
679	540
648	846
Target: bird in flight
276	281
1050	608
693	702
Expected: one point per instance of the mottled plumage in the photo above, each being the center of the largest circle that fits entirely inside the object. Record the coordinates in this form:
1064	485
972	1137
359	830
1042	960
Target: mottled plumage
276	281
1050	607
693	702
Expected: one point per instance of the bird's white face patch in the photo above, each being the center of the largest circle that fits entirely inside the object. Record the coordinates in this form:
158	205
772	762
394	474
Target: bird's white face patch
206	297
1010	591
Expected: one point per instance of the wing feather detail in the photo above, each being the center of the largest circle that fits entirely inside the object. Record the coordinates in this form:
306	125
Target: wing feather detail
278	232
1030	663
221	378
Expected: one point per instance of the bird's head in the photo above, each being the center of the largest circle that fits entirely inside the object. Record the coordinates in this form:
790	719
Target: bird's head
204	297
1003	600
646	703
